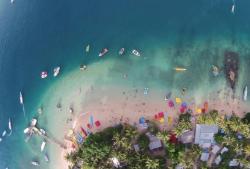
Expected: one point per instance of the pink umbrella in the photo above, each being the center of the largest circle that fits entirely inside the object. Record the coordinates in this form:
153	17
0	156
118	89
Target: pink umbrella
171	103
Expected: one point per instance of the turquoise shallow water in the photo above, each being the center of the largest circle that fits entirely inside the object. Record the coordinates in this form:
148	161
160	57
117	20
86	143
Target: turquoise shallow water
38	35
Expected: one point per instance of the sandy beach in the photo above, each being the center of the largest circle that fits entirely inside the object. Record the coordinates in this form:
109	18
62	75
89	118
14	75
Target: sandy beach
112	94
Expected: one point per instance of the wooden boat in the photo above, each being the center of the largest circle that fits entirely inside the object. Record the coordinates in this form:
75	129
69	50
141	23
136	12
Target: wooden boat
135	52
231	65
103	52
180	69
87	48
121	51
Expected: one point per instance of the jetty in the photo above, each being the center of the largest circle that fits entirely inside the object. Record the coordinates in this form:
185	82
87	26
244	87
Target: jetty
48	138
231	66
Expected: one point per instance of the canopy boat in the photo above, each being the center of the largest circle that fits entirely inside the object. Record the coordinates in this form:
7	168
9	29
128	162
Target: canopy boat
44	74
56	71
43	131
135	52
103	52
180	69
43	146
46	157
35	163
121	51
87	48
245	94
20	97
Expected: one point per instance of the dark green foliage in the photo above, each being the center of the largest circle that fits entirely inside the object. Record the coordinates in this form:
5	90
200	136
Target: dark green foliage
246	119
143	141
185	117
99	148
219	138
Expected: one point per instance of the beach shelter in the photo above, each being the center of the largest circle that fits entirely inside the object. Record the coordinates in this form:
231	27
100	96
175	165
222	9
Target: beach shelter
170	120
97	123
170	103
178	100
206	106
182	110
142	120
184	105
160	114
89	126
84	132
162	120
198	110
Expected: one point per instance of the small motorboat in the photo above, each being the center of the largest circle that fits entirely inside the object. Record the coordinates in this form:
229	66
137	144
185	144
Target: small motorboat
10	126
135	52
56	71
83	67
245	94
12	1
121	51
20	97
215	70
103	52
0	139
43	146
35	163
87	48
4	133
180	69
44	74
233	8
46	157
145	91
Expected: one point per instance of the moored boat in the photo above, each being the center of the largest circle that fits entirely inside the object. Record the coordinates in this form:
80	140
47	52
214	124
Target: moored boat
233	8
44	74
121	51
46	157
20	97
35	163
4	133
180	69
135	52
43	131
87	48
43	146
56	71
33	122
26	130
245	94
103	52
10	126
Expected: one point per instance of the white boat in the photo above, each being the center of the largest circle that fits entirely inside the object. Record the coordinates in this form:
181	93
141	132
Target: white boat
245	94
20	97
0	139
43	146
103	52
121	51
35	163
56	71
12	1
33	122
46	158
4	133
233	8
44	74
180	69
10	126
87	48
26	130
43	131
135	52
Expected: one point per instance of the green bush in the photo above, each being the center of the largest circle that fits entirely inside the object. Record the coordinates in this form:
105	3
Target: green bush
143	141
246	119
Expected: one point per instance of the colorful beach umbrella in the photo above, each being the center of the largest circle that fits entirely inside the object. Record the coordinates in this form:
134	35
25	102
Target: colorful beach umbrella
170	103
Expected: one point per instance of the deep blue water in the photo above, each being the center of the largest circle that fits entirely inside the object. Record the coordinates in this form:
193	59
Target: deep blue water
37	35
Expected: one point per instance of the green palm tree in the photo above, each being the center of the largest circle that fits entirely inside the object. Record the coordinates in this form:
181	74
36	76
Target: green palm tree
181	127
163	136
152	164
246	150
